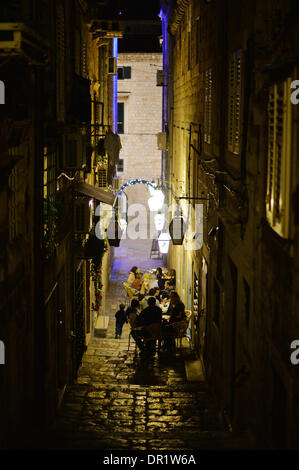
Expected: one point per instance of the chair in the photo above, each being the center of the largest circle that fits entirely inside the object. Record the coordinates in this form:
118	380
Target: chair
154	330
182	328
129	291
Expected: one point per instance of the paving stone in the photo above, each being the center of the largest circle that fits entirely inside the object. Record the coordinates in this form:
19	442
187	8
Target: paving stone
120	401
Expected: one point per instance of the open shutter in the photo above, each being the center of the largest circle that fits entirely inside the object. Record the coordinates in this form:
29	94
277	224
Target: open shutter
279	158
102	177
234	102
60	60
208	106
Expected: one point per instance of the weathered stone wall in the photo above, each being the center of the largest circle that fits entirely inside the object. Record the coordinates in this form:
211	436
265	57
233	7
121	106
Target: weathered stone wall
142	120
249	321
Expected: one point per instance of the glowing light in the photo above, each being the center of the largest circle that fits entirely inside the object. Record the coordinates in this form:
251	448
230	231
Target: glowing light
159	221
123	224
164	242
156	202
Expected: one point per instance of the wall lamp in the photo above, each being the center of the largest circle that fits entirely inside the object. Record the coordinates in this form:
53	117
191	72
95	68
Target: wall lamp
177	228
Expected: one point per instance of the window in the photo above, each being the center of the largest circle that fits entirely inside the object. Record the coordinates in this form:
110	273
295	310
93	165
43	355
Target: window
102	56
60	60
234	102
208	106
49	174
279	157
123	73
102	177
120	166
14	209
120	118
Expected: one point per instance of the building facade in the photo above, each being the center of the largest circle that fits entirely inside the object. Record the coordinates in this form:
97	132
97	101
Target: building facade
58	67
232	123
139	122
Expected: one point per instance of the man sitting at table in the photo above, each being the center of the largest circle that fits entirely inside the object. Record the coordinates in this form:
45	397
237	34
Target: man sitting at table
149	316
153	292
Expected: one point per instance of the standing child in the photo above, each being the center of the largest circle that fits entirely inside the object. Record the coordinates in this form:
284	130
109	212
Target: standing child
121	318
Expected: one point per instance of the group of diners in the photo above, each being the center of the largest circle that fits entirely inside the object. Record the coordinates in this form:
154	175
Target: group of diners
159	307
141	281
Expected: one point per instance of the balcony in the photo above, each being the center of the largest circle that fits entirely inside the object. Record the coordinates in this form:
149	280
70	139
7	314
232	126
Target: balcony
106	29
104	19
17	39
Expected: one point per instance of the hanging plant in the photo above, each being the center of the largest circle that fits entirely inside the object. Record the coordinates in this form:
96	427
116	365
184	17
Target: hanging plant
98	248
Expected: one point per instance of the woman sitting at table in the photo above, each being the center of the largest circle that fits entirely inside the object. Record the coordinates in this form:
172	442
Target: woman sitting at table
132	275
171	279
176	312
176	308
160	278
137	283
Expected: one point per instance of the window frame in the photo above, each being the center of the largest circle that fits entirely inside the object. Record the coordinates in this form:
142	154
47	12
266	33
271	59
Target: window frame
279	158
119	123
208	100
234	102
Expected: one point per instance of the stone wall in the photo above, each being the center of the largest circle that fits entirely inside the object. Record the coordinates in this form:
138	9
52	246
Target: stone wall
142	121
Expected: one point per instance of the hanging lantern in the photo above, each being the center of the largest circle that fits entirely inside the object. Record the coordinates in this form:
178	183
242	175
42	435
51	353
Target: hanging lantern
159	221
164	242
177	228
114	232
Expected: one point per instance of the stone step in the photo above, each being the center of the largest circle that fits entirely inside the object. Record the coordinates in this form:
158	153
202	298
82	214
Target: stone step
101	326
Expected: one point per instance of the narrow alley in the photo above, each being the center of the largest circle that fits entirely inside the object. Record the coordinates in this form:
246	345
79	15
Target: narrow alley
121	401
136	136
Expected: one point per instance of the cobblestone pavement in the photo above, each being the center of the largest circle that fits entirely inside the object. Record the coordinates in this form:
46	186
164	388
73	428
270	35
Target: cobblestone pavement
120	401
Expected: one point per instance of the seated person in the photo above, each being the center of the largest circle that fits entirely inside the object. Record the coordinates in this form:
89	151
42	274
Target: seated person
160	278
150	315
137	283
132	275
176	310
146	283
171	278
164	295
132	312
153	292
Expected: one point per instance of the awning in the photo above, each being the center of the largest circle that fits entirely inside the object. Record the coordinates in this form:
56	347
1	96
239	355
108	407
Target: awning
91	191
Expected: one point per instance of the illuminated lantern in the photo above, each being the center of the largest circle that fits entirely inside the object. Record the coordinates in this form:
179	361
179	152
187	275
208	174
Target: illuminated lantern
177	229
164	242
156	202
159	221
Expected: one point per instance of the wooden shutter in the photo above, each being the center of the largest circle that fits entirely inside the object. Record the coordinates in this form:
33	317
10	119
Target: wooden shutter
234	102
279	157
102	177
60	60
84	64
208	106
